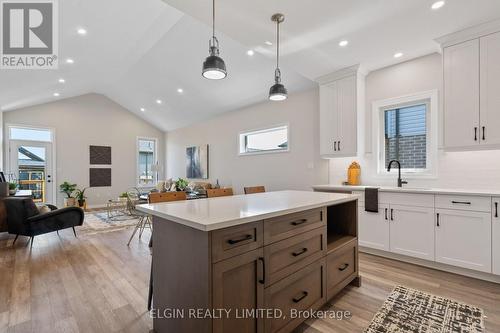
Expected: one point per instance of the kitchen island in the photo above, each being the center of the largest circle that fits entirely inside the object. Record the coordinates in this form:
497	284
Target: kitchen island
250	263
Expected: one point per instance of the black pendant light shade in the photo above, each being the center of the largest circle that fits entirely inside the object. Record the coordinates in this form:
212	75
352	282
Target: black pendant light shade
214	67
278	91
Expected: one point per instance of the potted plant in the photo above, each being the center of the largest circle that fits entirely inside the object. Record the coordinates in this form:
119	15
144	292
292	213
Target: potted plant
68	189
123	196
80	197
12	188
181	184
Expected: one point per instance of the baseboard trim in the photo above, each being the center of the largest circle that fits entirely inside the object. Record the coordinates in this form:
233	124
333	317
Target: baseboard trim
434	265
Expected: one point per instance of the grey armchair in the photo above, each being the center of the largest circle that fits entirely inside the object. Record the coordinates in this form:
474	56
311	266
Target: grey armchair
24	219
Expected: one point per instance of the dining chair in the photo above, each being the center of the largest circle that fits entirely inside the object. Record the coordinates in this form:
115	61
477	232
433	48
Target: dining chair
157	197
219	192
144	219
254	189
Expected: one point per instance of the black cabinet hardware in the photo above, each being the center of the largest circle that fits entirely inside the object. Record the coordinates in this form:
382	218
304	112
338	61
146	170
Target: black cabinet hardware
236	241
392	214
461	202
437	219
386	213
338	145
301	297
298	253
484	136
299	222
335	145
263	280
475	133
496	209
344	267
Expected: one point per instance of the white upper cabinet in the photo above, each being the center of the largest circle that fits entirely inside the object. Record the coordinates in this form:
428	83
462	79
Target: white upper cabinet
461	95
471	65
341	96
490	89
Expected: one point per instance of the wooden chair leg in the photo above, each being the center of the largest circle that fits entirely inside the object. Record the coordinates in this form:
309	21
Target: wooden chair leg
137	226
14	242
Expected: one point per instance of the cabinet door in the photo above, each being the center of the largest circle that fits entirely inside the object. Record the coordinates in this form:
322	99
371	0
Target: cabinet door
463	238
328	118
461	95
412	231
347	116
496	235
237	287
490	86
374	228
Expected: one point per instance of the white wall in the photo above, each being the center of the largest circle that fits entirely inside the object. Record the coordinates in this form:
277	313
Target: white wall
85	120
472	170
298	169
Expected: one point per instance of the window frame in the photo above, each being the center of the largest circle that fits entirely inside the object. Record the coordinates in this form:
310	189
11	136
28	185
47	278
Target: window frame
242	146
155	159
430	98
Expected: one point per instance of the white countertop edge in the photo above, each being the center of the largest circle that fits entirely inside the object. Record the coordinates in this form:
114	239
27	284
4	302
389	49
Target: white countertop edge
348	188
243	220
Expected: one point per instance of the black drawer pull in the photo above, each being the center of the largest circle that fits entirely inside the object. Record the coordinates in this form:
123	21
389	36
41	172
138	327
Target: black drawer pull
484	135
236	241
343	268
299	222
496	209
386	213
437	220
298	253
461	202
475	133
263	280
301	297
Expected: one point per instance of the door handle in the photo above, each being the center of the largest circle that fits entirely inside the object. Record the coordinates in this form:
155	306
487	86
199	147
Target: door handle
392	214
344	267
496	209
386	213
263	280
437	219
475	133
484	130
301	297
335	145
298	253
338	145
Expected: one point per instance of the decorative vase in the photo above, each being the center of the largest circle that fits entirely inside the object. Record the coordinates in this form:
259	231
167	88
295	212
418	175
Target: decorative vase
69	202
12	192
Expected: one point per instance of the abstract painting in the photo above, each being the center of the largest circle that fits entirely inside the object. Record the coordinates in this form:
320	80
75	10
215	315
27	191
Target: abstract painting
197	162
100	155
100	177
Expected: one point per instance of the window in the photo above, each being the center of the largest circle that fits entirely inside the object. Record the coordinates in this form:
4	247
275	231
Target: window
405	129
406	136
31	134
146	159
267	140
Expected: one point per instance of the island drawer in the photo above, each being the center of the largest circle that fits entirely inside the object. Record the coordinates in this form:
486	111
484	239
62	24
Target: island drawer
341	267
290	255
229	242
282	227
462	202
303	290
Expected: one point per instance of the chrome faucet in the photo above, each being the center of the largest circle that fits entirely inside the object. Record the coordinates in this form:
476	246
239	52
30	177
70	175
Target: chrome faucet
400	181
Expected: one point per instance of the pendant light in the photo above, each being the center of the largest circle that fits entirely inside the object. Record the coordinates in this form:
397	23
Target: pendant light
214	67
278	91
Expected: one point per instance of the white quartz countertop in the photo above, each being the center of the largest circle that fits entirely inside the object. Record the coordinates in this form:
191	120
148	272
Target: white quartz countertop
222	212
408	189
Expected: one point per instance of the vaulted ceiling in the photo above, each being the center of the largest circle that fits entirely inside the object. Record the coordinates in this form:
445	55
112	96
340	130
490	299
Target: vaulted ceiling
138	52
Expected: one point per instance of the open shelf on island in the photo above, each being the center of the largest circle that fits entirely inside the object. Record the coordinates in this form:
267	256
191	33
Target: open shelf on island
342	226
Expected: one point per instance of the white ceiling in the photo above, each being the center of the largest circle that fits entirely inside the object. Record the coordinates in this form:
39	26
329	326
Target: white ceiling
138	51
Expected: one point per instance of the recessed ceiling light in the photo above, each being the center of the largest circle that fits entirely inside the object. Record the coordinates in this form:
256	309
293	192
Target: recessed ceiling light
159	101
180	90
343	43
56	94
81	31
398	55
268	43
437	5
250	52
143	109
70	61
61	80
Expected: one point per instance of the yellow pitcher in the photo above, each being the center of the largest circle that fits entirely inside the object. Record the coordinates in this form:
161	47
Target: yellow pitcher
353	174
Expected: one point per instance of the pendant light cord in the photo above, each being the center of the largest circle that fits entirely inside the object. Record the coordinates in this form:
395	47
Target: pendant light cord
278	44
213	18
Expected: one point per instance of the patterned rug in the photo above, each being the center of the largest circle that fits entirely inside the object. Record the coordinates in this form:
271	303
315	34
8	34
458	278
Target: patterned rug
409	310
98	221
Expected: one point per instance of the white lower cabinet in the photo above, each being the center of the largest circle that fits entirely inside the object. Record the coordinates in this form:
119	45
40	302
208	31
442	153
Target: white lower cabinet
495	214
412	231
463	238
374	228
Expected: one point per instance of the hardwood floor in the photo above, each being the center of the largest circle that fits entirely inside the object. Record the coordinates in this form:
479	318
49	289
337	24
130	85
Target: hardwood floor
96	283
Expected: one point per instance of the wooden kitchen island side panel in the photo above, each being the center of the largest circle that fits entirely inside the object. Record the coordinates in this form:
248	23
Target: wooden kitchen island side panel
305	257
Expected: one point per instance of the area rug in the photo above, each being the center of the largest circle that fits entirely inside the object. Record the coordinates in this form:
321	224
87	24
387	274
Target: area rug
409	310
98	221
